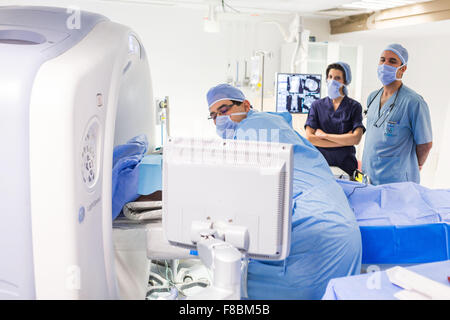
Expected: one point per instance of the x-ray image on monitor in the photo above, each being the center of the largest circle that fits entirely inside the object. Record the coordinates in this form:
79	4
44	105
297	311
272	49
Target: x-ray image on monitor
296	92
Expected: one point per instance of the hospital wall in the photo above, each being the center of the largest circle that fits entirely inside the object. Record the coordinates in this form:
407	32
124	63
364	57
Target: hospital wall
427	74
186	61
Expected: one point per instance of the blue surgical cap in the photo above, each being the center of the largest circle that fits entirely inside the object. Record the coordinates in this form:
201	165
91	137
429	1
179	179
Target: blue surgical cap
401	52
348	71
224	92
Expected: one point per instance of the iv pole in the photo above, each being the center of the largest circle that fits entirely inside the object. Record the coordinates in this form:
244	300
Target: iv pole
263	54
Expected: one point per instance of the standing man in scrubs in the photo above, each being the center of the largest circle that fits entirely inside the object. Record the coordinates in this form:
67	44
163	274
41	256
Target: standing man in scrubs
334	124
399	135
325	239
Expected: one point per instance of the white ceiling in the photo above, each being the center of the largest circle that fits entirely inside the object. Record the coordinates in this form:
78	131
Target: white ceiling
288	6
311	8
304	7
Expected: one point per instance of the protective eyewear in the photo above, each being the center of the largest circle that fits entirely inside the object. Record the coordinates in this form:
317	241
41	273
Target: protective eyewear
221	110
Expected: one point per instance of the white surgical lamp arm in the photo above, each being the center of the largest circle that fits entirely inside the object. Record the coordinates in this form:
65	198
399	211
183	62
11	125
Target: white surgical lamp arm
296	34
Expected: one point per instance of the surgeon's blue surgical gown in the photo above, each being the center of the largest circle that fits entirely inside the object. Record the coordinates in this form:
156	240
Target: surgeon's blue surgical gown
325	239
390	147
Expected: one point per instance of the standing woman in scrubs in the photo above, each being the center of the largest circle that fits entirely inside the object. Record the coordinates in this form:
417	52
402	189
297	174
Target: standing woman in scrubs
334	123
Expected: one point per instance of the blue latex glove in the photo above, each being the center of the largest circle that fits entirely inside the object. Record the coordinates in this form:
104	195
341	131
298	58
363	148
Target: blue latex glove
126	160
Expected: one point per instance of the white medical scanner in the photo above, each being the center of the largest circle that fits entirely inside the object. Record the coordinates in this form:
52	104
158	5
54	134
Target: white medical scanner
72	86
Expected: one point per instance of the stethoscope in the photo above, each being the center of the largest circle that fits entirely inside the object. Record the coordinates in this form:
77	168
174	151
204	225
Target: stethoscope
388	110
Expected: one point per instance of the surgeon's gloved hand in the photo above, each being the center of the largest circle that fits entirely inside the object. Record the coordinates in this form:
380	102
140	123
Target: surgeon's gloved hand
126	160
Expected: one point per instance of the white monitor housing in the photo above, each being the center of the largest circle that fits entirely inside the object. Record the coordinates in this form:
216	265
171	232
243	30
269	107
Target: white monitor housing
241	189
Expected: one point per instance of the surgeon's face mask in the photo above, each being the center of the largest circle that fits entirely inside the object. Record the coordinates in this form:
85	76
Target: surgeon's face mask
333	88
225	127
387	74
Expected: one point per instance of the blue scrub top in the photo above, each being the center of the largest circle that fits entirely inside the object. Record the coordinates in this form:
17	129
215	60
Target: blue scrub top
346	118
325	239
390	149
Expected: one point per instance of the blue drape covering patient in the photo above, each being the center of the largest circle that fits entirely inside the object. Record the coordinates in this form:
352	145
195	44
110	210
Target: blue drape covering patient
400	204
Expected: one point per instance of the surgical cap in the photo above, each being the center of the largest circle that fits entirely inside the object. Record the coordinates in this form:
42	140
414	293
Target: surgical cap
348	72
401	52
224	92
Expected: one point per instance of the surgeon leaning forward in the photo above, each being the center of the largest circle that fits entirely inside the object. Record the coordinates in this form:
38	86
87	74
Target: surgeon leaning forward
399	135
325	239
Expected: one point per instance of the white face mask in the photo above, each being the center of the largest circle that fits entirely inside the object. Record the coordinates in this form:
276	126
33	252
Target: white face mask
225	127
333	88
387	74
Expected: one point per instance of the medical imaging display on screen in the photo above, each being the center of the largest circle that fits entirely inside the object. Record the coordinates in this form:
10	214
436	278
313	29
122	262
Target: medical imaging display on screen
296	92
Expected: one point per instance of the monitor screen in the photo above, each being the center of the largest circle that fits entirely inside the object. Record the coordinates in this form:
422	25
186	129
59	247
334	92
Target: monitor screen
296	92
246	184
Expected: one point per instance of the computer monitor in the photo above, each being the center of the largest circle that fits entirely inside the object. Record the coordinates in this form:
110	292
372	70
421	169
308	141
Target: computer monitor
243	183
295	92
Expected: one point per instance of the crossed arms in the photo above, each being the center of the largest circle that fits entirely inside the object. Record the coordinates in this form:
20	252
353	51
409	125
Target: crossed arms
322	139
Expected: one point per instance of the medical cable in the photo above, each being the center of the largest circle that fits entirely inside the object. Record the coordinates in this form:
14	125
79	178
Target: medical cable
357	187
180	286
389	110
367	109
227	5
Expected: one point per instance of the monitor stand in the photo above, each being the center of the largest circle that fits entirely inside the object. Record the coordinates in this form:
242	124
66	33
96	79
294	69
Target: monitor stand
225	262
